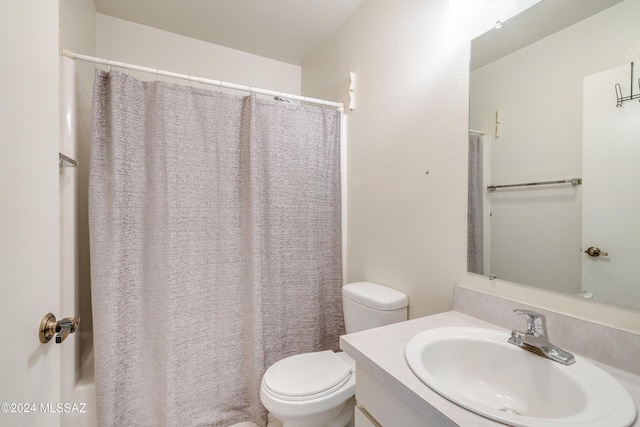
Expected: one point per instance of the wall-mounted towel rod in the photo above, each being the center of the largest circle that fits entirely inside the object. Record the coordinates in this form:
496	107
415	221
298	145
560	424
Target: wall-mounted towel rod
572	181
67	162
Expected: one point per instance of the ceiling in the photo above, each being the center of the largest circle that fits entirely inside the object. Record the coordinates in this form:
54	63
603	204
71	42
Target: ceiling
284	30
538	22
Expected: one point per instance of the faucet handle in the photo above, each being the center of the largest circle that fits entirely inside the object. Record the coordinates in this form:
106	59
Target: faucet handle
536	322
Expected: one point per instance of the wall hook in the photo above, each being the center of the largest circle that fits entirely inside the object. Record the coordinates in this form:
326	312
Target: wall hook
622	99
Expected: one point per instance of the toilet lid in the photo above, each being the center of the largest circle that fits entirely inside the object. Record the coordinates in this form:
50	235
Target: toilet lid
306	376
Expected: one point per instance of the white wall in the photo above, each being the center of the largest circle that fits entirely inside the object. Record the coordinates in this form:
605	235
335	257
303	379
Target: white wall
406	227
407	139
129	42
536	234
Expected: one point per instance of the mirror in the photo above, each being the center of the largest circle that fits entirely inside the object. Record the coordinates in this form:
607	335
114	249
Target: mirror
547	130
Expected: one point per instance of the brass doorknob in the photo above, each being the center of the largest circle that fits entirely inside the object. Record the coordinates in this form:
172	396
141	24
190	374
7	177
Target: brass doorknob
595	252
49	327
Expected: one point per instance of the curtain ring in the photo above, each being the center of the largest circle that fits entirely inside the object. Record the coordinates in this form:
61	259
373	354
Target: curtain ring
105	67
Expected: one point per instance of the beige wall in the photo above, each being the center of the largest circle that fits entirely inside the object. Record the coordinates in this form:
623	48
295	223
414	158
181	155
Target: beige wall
407	229
129	42
407	148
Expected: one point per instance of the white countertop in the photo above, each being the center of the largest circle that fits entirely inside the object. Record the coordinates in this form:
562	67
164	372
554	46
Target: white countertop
380	351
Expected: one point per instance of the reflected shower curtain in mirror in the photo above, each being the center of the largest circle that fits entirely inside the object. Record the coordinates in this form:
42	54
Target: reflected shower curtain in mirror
475	251
215	248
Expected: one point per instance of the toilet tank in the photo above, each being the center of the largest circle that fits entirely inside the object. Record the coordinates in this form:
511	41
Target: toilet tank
368	305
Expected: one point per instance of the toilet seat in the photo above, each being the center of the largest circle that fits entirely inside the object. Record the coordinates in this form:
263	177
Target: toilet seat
307	376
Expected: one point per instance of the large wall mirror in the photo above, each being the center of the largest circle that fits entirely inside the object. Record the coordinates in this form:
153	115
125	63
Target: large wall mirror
554	180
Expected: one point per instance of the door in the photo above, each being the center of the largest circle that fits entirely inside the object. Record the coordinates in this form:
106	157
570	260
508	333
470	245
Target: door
29	231
611	197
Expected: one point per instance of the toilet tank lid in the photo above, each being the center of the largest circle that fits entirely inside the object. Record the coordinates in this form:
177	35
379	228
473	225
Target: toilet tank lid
375	296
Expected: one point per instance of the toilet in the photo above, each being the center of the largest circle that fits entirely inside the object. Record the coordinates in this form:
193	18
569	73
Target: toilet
317	389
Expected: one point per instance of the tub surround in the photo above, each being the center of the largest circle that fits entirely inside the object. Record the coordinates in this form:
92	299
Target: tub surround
379	355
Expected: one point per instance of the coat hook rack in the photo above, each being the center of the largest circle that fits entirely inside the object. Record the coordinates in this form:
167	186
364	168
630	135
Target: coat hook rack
623	99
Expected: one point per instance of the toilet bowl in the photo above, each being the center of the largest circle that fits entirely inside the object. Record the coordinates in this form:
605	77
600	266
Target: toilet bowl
318	389
311	389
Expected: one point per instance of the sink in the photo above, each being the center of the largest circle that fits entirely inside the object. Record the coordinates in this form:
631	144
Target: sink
479	370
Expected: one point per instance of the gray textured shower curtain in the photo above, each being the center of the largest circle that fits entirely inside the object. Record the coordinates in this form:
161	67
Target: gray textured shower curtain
215	248
475	239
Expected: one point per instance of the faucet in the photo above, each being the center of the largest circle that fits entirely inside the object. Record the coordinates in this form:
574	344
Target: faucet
536	340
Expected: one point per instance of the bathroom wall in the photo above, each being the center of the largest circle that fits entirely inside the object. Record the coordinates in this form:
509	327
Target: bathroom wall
407	228
407	145
538	144
407	138
126	41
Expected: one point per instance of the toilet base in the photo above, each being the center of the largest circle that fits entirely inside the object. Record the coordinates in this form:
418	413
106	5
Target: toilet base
343	418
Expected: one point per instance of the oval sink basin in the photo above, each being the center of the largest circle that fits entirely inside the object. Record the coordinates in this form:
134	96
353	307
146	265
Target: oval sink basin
479	370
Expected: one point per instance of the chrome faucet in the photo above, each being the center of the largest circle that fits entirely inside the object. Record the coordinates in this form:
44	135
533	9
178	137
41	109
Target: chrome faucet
536	340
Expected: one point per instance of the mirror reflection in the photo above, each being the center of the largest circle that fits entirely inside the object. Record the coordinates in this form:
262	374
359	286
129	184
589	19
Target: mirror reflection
554	154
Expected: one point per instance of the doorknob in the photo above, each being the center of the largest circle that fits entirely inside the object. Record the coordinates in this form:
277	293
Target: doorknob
595	252
49	327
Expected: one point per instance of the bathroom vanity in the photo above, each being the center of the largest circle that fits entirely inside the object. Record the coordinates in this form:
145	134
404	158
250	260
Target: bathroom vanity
389	394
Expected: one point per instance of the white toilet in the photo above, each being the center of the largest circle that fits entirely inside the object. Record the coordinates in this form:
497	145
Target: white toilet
317	389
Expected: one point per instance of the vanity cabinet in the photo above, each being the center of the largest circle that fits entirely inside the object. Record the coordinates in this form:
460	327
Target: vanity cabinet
363	419
389	394
377	406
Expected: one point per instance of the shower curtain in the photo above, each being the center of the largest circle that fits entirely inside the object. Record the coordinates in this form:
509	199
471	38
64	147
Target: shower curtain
475	242
215	248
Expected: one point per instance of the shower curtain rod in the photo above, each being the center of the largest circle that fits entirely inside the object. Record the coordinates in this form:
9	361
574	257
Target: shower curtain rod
218	83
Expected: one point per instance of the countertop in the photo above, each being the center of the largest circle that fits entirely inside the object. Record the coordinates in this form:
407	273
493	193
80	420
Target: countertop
380	351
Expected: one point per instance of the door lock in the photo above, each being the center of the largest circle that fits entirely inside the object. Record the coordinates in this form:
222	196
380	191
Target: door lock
50	327
595	252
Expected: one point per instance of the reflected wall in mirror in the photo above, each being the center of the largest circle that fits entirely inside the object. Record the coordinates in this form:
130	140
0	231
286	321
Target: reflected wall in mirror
543	109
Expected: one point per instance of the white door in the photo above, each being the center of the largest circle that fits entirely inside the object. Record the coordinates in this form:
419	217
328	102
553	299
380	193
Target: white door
611	196
29	230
